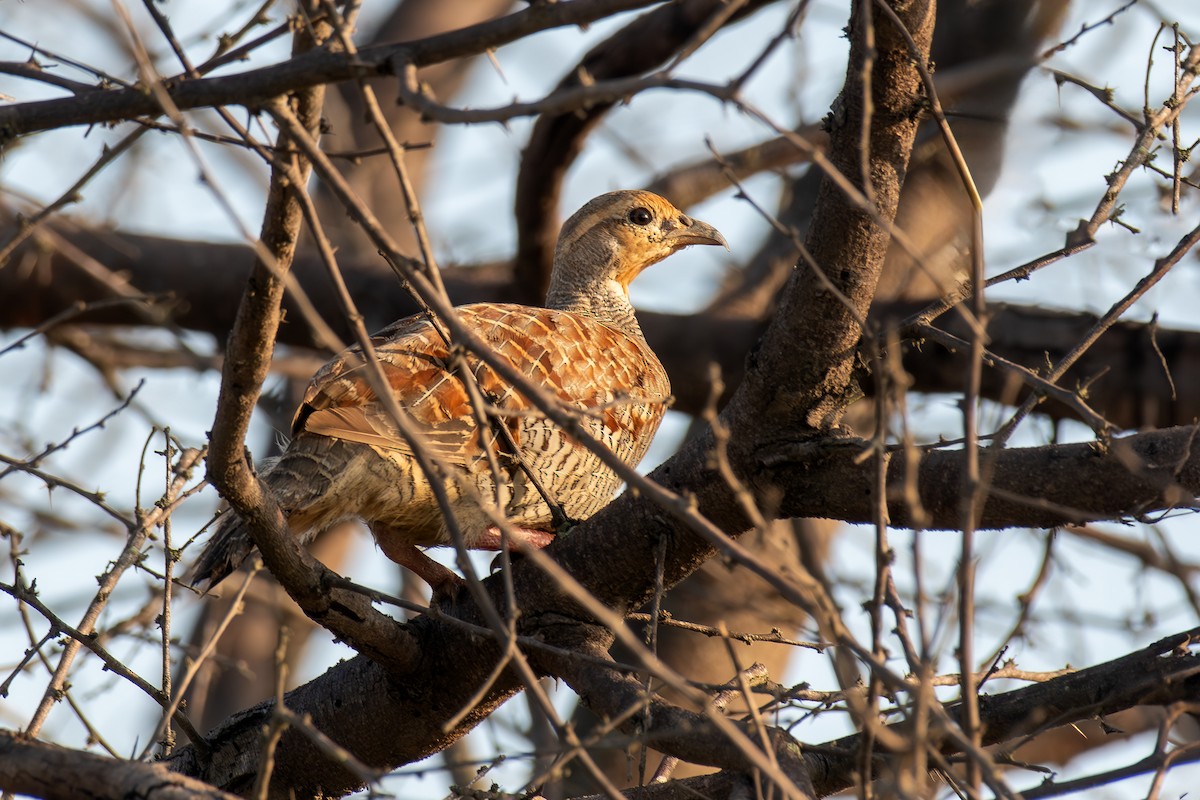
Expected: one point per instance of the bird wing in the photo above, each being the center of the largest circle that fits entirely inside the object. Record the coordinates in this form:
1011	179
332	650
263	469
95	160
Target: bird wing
584	363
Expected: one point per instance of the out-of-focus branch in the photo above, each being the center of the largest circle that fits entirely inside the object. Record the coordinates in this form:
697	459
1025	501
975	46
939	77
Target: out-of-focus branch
1125	380
31	70
199	283
692	183
349	129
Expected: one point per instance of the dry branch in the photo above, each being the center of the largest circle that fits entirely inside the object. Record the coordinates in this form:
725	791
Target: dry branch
317	68
246	366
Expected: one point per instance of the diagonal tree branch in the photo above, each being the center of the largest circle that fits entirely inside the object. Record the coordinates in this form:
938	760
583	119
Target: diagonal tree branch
824	303
312	69
247	363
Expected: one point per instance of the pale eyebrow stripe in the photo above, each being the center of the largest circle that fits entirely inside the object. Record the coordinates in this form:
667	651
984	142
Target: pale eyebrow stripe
568	237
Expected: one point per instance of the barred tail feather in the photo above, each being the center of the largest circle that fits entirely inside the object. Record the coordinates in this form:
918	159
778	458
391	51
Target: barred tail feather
224	553
301	480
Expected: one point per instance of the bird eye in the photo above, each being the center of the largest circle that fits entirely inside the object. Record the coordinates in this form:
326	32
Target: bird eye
640	216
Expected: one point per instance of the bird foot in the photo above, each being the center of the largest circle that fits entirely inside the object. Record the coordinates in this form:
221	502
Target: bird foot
563	524
444	582
536	539
532	538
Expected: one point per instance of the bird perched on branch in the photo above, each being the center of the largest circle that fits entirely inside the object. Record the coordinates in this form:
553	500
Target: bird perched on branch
348	459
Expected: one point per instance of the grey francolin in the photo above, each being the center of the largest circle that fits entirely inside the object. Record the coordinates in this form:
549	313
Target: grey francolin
347	459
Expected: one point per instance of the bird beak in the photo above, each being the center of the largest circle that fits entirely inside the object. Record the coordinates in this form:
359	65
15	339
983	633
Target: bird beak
687	231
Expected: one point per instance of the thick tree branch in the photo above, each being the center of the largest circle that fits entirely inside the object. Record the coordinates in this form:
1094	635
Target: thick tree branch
1134	477
824	304
39	769
386	718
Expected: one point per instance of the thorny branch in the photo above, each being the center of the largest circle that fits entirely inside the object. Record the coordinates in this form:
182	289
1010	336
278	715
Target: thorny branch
318	68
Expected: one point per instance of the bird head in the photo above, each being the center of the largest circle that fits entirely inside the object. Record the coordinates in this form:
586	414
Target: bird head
617	235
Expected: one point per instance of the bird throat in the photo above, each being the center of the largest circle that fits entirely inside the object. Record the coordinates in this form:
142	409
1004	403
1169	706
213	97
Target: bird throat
598	295
606	301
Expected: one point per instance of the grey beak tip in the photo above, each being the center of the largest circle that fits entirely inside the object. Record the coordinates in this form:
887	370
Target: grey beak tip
719	238
714	236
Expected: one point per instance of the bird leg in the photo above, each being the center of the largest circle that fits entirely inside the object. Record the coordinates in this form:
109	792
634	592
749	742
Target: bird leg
443	581
395	546
535	539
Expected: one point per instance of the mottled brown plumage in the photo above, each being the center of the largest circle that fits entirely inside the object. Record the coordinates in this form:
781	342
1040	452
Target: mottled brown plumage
347	459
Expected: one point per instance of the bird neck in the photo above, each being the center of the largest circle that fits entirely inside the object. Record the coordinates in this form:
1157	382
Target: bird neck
592	293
